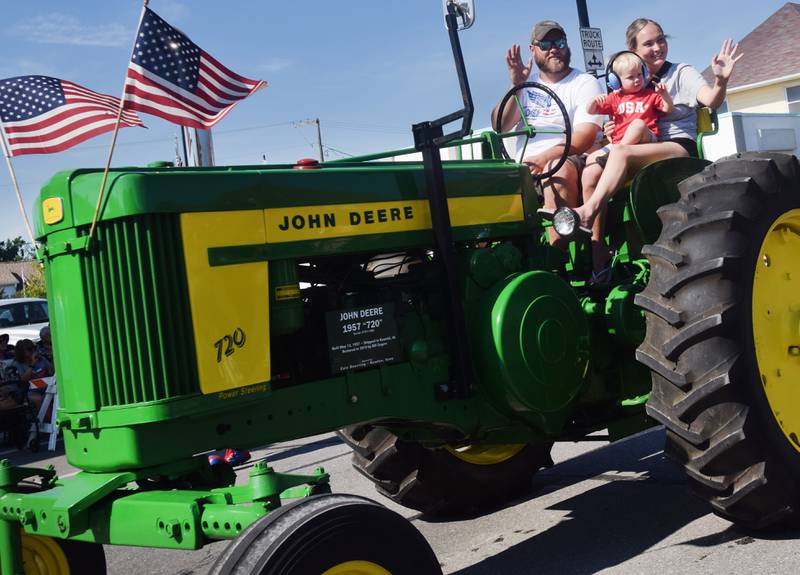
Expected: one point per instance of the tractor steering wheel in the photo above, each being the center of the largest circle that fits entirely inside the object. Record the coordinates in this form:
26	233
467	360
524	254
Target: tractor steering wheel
567	131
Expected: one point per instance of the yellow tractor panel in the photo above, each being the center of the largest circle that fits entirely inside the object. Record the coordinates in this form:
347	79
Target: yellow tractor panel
340	220
230	304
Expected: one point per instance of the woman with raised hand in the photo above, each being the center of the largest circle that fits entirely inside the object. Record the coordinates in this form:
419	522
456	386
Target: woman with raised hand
677	129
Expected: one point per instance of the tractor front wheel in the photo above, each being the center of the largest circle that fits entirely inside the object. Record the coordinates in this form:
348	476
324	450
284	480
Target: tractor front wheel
329	535
723	335
454	480
49	556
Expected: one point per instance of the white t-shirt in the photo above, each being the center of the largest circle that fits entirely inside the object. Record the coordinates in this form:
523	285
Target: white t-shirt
575	90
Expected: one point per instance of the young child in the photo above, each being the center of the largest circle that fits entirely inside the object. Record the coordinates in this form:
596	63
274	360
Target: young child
634	108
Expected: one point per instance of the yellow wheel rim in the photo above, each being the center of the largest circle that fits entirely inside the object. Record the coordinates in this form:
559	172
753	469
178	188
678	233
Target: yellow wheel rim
43	556
357	568
486	454
776	322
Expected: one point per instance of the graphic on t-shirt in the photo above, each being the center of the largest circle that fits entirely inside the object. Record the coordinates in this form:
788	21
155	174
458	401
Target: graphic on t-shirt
624	108
538	104
631	108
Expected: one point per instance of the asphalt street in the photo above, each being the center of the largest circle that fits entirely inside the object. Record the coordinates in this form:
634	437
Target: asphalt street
611	509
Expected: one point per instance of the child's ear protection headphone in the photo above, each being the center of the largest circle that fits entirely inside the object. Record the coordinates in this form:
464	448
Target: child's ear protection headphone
612	80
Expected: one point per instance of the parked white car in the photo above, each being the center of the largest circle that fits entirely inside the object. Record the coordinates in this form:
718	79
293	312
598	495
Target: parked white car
22	318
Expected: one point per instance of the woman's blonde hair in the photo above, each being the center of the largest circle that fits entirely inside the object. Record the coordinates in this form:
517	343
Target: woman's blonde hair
636	27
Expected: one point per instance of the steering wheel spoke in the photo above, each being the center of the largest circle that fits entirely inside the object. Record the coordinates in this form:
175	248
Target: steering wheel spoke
531	132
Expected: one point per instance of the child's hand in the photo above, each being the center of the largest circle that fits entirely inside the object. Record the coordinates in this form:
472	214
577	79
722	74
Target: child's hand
608	129
666	100
594	104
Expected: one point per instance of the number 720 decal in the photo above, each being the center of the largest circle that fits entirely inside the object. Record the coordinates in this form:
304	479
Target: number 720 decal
227	344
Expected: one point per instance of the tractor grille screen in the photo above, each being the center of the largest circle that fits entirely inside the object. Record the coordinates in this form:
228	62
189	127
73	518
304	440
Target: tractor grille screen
139	318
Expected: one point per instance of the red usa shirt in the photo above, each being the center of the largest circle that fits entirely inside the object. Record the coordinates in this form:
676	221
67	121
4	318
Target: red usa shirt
624	108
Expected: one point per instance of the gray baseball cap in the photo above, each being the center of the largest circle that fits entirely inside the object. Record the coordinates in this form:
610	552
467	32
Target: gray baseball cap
543	28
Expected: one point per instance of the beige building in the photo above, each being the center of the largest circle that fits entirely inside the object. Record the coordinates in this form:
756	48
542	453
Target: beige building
767	79
13	277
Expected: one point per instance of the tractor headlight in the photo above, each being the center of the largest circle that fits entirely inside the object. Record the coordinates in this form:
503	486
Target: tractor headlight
565	221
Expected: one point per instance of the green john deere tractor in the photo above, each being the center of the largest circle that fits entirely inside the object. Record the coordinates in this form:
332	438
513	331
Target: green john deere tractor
416	308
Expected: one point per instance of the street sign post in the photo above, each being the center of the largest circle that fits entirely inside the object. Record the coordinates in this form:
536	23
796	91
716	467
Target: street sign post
592	44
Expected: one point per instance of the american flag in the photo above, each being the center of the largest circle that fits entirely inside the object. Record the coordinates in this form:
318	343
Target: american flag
171	77
43	115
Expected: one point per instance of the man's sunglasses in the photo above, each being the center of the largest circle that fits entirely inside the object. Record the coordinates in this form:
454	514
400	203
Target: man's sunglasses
545	45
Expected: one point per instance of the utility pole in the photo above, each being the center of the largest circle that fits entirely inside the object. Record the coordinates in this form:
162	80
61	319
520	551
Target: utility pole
319	141
198	146
591	41
583	14
315	122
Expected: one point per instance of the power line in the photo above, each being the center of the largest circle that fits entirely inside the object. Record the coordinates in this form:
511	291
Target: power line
231	131
340	152
251	128
367	128
365	125
338	125
261	152
299	124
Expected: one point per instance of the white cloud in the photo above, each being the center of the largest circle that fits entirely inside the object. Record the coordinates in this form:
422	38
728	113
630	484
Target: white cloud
274	65
59	28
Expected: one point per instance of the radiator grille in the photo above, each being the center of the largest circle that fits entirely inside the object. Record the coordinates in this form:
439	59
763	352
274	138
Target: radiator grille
139	317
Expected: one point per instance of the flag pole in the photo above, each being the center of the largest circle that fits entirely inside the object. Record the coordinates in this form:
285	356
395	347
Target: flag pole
7	154
114	137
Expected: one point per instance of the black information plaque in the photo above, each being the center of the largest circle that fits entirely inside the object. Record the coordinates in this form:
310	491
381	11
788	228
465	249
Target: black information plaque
363	337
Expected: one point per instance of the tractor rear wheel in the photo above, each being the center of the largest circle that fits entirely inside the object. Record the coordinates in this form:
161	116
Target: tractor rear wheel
723	335
447	481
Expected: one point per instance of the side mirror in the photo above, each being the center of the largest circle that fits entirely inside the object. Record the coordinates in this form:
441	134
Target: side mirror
464	11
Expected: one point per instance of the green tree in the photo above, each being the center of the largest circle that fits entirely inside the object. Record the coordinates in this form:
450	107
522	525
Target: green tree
15	250
34	283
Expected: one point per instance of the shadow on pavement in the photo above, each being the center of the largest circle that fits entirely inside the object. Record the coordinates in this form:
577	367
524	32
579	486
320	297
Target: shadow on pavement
27	457
742	536
273	456
301	449
606	525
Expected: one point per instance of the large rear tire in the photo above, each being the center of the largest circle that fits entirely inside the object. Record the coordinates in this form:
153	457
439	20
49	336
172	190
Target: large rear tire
447	481
721	346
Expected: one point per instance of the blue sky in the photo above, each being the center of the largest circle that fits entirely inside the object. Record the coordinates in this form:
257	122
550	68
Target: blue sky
368	69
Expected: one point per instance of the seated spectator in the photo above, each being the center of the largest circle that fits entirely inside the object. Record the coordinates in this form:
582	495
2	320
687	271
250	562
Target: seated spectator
45	345
7	371
30	366
5	351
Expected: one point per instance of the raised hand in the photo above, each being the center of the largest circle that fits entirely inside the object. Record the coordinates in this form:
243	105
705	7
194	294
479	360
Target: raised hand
517	71
722	64
666	100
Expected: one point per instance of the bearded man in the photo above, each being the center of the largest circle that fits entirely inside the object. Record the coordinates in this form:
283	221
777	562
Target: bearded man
575	89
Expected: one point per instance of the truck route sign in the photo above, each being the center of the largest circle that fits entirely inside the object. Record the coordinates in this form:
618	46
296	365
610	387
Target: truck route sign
592	44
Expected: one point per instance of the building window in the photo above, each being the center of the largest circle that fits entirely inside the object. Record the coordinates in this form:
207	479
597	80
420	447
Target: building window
793	99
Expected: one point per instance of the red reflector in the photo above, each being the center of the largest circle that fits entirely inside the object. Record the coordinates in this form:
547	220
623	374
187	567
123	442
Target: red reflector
307	164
